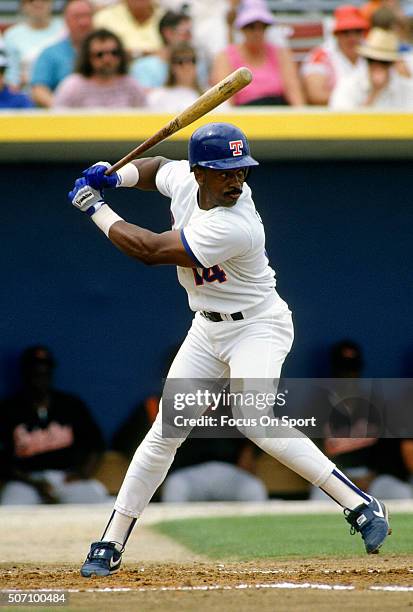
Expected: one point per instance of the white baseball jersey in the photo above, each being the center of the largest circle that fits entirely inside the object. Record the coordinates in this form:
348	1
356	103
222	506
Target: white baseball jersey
231	271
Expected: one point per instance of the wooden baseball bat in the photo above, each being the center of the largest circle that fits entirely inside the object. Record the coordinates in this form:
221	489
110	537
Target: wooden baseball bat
208	101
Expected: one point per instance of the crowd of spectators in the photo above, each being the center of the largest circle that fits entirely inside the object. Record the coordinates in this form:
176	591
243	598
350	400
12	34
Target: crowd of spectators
161	54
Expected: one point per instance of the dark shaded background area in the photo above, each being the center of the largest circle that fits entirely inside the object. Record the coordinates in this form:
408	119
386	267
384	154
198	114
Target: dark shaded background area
339	235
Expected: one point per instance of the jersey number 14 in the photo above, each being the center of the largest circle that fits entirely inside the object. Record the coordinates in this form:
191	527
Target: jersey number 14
209	275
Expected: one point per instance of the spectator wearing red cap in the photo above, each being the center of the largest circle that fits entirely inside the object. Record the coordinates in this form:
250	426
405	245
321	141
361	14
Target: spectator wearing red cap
326	65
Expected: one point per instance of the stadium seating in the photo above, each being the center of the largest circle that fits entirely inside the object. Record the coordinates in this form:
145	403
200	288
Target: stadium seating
303	34
9	8
306	6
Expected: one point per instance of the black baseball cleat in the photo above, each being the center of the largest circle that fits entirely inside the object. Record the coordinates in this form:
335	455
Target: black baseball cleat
103	559
372	521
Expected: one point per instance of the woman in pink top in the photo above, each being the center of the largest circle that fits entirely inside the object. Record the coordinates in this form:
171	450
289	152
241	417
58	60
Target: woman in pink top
275	75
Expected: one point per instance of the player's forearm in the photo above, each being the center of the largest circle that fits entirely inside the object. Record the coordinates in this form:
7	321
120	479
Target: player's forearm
148	247
134	241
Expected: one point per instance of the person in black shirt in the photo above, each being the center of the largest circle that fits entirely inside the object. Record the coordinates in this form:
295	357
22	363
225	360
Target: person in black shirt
353	434
49	443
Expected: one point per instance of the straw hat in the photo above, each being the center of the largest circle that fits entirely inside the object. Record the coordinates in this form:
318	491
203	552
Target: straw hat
381	45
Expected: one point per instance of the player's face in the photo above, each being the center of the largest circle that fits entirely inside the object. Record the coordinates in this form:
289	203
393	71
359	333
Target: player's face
221	187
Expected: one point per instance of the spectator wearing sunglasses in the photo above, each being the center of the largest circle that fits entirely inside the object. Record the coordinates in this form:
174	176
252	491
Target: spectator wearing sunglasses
275	75
182	88
379	85
101	78
337	57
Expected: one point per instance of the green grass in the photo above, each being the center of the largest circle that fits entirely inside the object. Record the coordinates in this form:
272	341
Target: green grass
281	536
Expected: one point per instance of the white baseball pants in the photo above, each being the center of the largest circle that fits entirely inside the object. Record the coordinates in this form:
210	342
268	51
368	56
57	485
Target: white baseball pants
252	348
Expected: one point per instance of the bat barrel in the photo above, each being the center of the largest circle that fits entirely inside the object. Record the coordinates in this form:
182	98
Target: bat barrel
212	98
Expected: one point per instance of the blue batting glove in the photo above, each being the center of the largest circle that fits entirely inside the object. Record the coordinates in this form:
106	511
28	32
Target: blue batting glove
85	198
96	177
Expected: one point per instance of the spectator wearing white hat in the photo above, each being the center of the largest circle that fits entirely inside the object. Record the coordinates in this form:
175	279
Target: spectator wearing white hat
275	75
379	85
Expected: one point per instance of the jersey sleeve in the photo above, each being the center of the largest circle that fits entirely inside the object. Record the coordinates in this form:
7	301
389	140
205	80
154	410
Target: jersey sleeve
214	241
170	176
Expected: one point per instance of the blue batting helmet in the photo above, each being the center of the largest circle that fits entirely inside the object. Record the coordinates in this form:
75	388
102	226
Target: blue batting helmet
220	146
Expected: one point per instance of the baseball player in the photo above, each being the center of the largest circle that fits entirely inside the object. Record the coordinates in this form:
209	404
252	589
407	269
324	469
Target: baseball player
242	329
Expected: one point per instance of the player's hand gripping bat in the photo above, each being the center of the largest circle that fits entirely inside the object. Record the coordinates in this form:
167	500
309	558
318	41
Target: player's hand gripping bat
208	101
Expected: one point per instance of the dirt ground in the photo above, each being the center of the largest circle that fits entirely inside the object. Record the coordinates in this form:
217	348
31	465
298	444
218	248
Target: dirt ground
234	587
42	548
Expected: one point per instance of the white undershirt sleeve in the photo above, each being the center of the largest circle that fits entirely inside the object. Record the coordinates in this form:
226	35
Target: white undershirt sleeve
169	177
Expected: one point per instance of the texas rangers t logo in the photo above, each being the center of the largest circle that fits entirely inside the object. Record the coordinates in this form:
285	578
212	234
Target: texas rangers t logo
236	147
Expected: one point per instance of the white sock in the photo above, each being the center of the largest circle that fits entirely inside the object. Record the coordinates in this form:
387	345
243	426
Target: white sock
118	528
343	491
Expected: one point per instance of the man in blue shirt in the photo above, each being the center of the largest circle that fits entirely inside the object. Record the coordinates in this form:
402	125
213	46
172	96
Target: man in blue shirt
57	61
9	98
